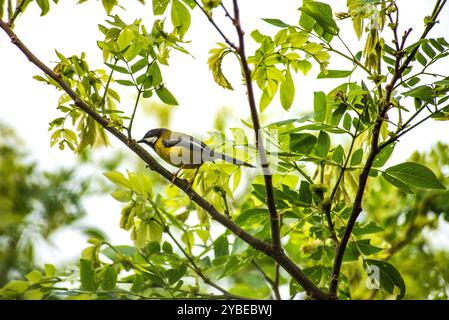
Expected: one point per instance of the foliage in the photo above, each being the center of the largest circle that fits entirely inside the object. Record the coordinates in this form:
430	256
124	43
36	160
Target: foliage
334	202
34	204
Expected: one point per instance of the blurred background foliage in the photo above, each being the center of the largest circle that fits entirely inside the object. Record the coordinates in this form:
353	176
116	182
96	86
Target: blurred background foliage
35	204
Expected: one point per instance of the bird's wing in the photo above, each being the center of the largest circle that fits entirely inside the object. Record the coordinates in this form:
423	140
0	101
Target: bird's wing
184	140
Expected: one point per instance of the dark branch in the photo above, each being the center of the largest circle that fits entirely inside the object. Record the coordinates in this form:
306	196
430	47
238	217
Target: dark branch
274	216
375	149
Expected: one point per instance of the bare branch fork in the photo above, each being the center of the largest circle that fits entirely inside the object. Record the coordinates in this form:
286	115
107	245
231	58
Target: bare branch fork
277	255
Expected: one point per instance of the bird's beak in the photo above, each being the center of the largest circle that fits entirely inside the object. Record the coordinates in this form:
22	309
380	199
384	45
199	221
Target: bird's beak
141	141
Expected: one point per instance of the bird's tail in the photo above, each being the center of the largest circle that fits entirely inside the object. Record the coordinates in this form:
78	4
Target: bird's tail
219	155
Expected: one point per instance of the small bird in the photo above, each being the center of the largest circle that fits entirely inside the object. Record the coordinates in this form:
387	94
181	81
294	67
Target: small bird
184	151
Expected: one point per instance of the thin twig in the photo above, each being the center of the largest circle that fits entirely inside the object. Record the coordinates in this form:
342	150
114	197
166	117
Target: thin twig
196	268
103	99
274	216
273	284
16	13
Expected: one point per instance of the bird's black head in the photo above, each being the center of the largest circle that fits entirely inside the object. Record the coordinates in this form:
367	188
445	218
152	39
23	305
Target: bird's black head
151	136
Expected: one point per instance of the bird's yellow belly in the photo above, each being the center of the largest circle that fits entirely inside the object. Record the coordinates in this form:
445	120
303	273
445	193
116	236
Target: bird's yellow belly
176	156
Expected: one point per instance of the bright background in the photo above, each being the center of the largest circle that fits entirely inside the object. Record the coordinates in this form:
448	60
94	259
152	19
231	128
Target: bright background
28	106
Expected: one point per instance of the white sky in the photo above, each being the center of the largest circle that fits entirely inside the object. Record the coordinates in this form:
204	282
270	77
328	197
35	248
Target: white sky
29	105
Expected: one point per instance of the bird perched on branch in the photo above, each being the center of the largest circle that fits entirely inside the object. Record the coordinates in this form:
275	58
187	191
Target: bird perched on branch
184	151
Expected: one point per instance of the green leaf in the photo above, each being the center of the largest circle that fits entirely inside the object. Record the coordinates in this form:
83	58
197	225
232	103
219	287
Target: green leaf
413	81
117	178
221	246
415	174
306	21
287	91
122	195
159	6
139	65
108	5
436	45
347	121
276	22
44	5
252	217
87	275
119	251
383	156
422	92
16	286
34	276
153	247
167	247
339	155
367	248
155	231
397	183
50	270
174	275
234	264
215	60
138	280
319	127
303	143
428	50
192	4
304	193
322	145
322	13
133	50
334	74
109	279
166	96
127	83
304	66
337	114
265	100
319	106
370	228
389	276
180	17
421	59
125	38
117	68
155	73
357	157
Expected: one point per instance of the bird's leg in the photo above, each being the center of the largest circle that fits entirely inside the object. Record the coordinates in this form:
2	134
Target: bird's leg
194	176
175	175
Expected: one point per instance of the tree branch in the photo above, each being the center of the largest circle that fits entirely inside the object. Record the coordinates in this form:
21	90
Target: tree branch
16	13
184	185
363	178
274	216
